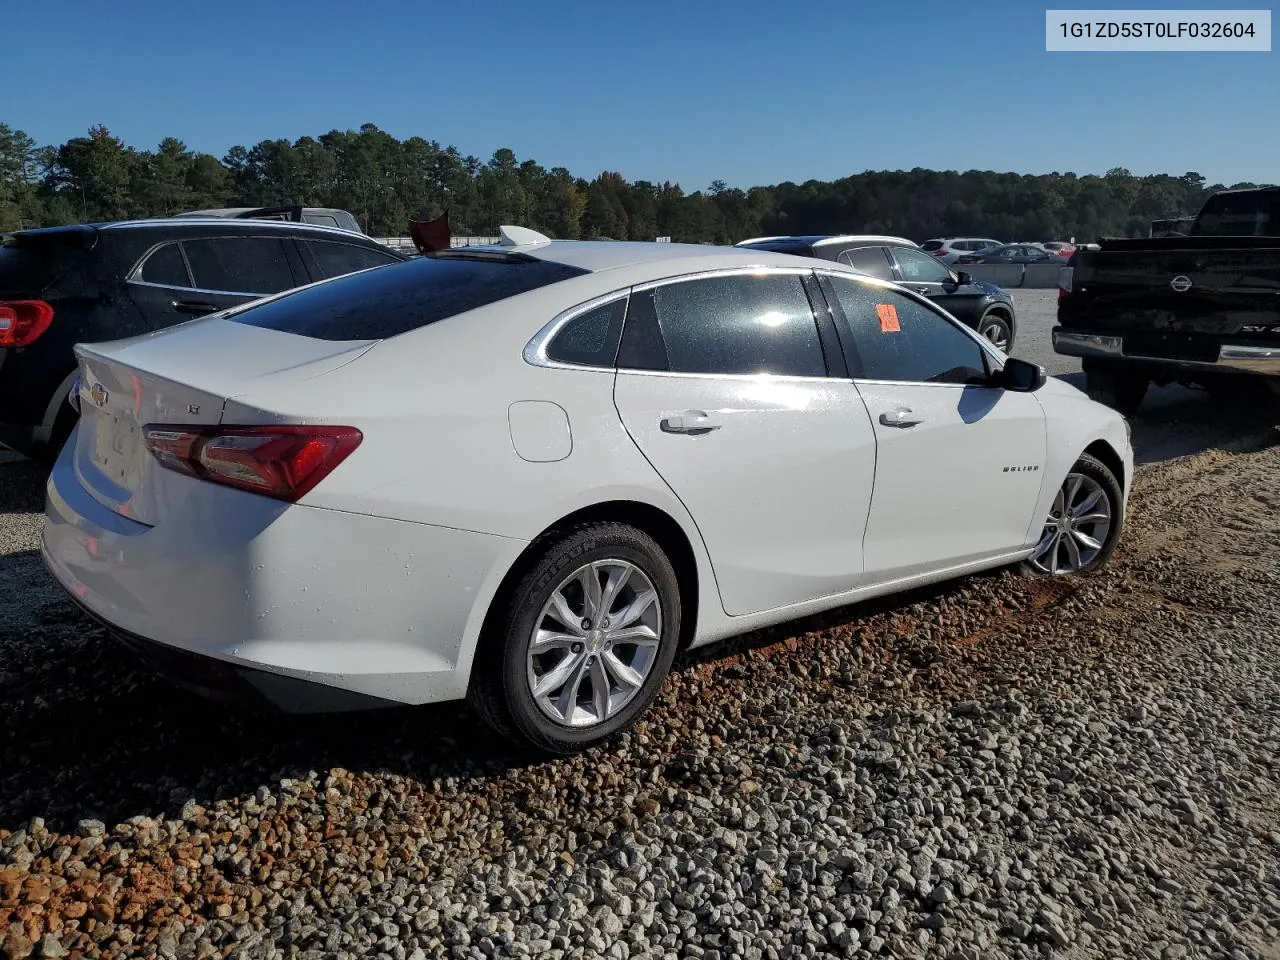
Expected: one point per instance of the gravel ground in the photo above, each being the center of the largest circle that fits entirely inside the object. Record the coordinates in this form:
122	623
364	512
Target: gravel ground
994	767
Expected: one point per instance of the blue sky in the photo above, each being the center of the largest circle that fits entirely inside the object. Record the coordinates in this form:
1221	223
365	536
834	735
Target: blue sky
747	91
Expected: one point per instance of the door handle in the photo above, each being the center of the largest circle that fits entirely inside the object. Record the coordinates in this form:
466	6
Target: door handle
691	421
924	289
902	417
194	306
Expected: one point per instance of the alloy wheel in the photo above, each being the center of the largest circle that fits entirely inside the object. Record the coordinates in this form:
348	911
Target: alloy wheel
594	643
996	332
1076	530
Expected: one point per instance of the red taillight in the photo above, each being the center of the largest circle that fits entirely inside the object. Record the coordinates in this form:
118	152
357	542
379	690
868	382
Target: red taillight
1066	276
22	321
941	252
283	462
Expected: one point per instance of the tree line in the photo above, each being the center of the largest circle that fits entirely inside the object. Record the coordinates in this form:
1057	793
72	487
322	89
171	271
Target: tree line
385	181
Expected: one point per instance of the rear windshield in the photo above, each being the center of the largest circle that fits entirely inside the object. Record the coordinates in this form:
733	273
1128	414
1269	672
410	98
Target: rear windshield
28	269
931	245
401	297
1240	215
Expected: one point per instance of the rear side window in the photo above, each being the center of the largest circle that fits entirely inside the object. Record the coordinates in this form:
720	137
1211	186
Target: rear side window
1240	215
590	338
338	259
898	338
931	245
869	260
254	265
321	218
403	297
166	267
725	325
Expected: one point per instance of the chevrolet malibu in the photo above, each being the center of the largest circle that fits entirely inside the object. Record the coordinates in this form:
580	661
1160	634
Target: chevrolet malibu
527	475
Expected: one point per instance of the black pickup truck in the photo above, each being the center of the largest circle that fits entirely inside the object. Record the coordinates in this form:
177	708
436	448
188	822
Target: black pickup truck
1200	310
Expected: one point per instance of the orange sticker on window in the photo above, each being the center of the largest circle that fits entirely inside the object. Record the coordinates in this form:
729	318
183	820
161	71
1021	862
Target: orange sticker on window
888	315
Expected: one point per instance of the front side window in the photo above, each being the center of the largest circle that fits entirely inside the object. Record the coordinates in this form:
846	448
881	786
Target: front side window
898	338
869	260
591	338
255	265
735	324
166	267
918	267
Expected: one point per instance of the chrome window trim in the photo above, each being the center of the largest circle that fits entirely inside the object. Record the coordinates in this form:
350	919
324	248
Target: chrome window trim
135	272
757	270
756	377
215	293
535	351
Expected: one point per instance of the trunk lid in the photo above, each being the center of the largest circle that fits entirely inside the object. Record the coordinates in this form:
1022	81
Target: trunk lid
182	375
1130	285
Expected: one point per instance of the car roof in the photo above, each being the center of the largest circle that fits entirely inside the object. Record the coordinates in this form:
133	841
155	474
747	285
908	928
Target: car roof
827	239
597	255
228	224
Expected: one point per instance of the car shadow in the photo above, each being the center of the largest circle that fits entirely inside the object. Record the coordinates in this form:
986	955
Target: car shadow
1176	421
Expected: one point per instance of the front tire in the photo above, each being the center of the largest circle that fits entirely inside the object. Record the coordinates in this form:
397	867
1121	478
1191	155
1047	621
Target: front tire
584	642
997	328
1084	522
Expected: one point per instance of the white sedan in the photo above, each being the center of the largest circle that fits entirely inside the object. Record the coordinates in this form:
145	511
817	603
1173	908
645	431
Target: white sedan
528	474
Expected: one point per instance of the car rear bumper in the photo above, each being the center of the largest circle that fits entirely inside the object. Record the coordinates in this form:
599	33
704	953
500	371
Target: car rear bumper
1231	357
252	596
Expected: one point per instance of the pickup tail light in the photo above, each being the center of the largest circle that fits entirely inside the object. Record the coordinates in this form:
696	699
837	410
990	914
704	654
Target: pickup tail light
23	321
1065	276
281	461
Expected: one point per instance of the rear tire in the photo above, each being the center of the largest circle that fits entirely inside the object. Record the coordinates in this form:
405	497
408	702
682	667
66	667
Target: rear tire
1118	385
1084	523
602	659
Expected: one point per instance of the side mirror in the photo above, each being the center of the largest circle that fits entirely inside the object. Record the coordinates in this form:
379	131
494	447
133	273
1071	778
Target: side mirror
1021	376
964	279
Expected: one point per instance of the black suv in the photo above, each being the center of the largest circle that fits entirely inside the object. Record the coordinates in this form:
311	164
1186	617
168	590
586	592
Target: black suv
60	286
977	304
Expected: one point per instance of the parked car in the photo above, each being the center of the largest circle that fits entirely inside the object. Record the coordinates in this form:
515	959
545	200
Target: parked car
950	249
1198	310
64	285
979	305
1010	253
1059	248
528	474
320	216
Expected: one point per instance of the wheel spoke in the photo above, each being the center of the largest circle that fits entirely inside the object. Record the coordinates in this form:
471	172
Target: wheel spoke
1089	502
1093	518
1056	510
568	698
1086	540
618	577
600	688
639	635
560	609
559	675
589	578
1070	489
545	641
621	672
1073	552
636	608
